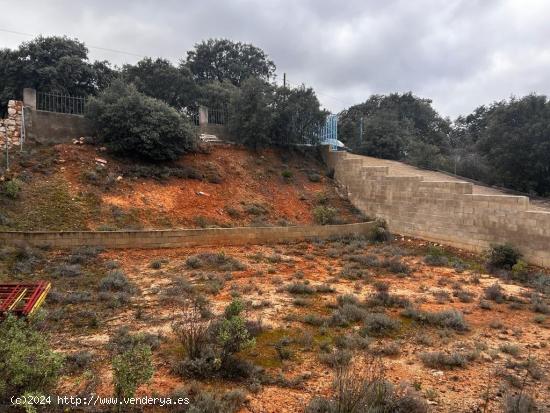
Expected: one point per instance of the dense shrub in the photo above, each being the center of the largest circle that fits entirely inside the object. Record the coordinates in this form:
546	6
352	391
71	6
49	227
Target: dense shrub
233	309
116	281
82	255
541	282
324	215
68	270
26	259
383	298
352	342
201	401
446	319
390	348
214	261
300	288
132	124
210	346
369	261
380	232
347	314
131	369
464	296
397	266
538	305
439	359
287	175
377	324
10	188
27	364
336	358
503	256
351	272
495	293
233	336
314	177
123	340
510	348
314	320
436	257
78	361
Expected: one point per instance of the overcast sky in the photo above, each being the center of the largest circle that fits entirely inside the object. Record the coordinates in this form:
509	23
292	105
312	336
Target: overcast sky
461	54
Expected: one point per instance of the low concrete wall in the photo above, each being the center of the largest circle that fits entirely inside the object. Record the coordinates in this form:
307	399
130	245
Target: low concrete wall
184	237
446	212
50	128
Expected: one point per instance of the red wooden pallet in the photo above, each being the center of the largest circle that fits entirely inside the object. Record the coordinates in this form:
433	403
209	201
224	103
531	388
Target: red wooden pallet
24	298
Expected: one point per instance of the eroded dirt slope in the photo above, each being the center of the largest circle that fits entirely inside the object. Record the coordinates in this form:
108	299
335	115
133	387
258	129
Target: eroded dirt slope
81	187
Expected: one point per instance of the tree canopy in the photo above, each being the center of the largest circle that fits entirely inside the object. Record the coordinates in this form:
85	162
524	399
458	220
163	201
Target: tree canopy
160	79
262	114
396	126
52	64
250	116
223	59
297	116
515	141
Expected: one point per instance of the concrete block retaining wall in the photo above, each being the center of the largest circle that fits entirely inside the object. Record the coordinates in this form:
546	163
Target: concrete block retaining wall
446	212
184	237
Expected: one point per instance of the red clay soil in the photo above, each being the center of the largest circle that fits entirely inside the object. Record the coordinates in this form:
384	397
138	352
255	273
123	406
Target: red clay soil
246	178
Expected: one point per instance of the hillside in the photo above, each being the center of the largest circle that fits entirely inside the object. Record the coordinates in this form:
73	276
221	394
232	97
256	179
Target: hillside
449	330
79	187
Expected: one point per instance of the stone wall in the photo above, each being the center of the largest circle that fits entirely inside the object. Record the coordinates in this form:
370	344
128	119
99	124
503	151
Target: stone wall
182	238
446	212
11	125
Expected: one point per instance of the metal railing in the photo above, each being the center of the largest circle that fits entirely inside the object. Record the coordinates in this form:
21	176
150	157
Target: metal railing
57	102
217	116
328	133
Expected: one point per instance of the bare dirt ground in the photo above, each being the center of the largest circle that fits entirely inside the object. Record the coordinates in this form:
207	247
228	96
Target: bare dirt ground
75	187
504	343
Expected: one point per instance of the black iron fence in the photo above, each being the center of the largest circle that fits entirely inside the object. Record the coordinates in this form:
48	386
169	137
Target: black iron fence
192	114
217	116
57	102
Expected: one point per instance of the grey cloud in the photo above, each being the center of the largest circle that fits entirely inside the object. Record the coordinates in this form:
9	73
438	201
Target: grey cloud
460	53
